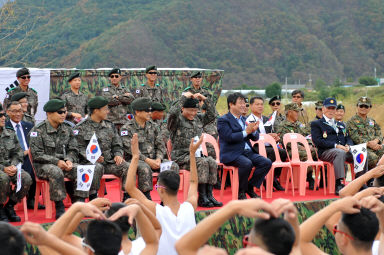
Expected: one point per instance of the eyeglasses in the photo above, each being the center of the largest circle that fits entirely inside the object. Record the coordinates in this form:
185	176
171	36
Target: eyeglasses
152	72
275	103
115	76
335	230
247	105
364	106
61	112
296	96
246	242
16	111
159	186
25	77
85	245
2	114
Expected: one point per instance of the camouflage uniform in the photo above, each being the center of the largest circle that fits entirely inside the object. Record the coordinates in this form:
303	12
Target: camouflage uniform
49	145
211	129
205	92
31	97
109	142
11	154
162	126
182	131
151	146
155	93
363	131
279	118
75	103
118	107
28	118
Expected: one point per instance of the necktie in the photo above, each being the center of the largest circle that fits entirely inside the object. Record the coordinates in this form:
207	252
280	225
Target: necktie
20	136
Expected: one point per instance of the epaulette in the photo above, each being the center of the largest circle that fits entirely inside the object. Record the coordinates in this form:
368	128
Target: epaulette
186	88
11	89
143	84
157	85
34	90
40	124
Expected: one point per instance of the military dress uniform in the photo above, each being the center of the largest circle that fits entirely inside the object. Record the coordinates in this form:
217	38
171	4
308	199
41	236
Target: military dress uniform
109	142
76	103
11	154
32	98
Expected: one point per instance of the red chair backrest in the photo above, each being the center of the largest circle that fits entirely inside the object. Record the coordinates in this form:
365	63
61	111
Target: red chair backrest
263	139
207	138
294	139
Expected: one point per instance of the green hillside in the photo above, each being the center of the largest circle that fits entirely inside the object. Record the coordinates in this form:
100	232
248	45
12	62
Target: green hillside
256	42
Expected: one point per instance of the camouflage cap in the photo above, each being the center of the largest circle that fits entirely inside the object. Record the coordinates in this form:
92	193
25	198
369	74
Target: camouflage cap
150	68
293	107
191	103
319	105
113	71
22	71
156	106
97	102
53	105
364	101
18	96
196	75
141	104
73	76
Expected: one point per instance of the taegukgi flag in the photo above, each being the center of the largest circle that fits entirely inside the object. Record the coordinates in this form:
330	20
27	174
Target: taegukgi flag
85	177
93	151
271	120
359	153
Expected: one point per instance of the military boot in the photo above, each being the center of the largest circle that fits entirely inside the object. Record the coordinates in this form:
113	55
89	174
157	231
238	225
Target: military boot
92	196
60	209
203	200
211	197
10	212
3	216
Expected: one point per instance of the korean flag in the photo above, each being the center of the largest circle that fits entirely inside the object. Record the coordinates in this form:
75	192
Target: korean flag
93	151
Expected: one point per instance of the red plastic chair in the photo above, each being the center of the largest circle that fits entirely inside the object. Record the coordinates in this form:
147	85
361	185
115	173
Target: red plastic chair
23	202
101	191
297	164
263	139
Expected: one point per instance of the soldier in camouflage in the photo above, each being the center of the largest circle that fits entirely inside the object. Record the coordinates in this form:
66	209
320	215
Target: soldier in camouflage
24	77
111	146
275	104
363	129
185	123
55	152
11	155
196	80
151	144
21	97
158	117
119	98
75	100
150	89
298	97
292	125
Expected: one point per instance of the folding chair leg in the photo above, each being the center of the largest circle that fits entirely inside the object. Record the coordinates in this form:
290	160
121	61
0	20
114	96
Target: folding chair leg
48	202
37	195
302	180
235	185
25	208
223	180
269	187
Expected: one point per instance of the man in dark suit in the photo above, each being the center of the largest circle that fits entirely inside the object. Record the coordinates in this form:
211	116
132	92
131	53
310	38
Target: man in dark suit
257	108
22	128
332	141
235	148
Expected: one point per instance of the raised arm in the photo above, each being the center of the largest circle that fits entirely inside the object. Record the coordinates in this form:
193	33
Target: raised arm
193	179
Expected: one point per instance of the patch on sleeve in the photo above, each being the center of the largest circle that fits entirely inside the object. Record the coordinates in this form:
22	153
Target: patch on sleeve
105	89
75	132
33	134
137	91
124	133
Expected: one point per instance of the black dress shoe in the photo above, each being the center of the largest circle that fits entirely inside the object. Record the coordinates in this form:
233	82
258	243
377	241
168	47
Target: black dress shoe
242	196
251	193
31	204
11	214
3	216
277	185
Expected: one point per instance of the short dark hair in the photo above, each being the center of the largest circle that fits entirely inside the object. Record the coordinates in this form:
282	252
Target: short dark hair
170	180
104	237
256	98
232	98
11	239
363	227
298	91
122	222
275	229
13	103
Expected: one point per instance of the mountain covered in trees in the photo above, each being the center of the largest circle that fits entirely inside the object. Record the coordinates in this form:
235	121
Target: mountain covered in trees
256	42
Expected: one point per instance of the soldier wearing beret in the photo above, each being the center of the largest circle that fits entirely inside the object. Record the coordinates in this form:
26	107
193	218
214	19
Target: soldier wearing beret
275	104
298	97
292	125
319	110
55	153
185	123
340	112
364	129
118	97
150	89
11	155
196	80
158	117
21	97
75	100
151	144
23	78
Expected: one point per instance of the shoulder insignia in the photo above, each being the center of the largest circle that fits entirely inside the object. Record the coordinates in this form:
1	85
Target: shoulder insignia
124	133
34	90
137	91
142	85
33	134
75	132
11	89
187	88
157	84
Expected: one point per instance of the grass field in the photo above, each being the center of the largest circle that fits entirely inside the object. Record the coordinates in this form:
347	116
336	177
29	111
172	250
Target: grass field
348	99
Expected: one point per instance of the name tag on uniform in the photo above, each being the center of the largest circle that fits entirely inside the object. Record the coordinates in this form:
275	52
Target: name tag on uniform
124	133
75	132
105	89
33	134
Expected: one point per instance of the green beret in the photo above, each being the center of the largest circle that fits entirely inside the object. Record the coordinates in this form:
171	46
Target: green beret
97	102
141	104
53	105
156	106
340	107
274	99
22	71
150	68
293	107
191	103
18	96
364	101
73	76
196	75
113	71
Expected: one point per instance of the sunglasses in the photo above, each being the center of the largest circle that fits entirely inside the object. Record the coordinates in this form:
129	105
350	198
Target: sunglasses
159	186
197	77
152	72
2	114
115	76
25	77
247	105
364	106
247	243
61	112
275	103
319	109
335	230
296	97
85	245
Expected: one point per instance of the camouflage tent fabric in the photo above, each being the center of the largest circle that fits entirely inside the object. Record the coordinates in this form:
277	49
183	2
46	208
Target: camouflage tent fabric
230	235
